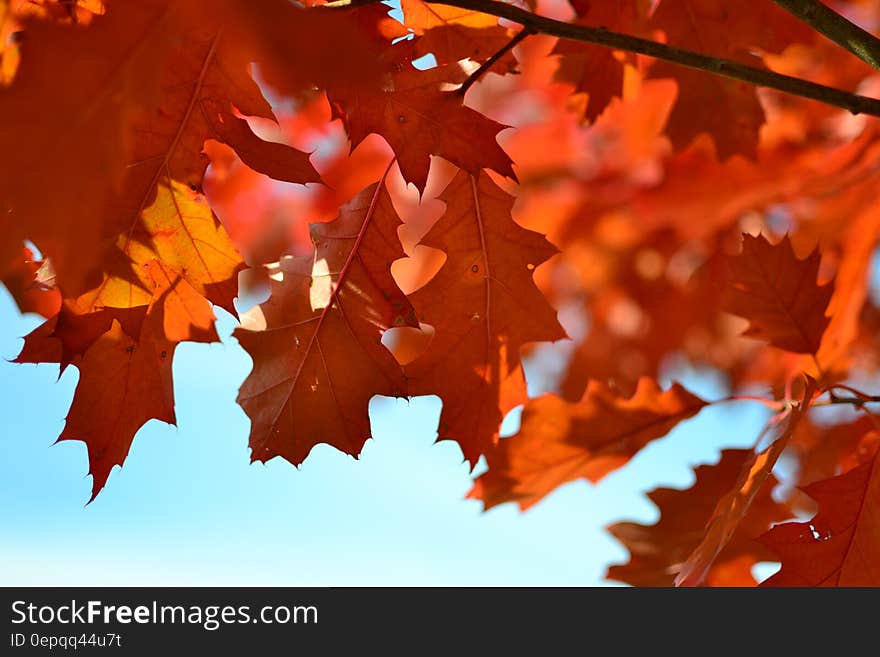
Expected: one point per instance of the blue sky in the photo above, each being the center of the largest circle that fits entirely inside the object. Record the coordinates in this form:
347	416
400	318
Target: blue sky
189	509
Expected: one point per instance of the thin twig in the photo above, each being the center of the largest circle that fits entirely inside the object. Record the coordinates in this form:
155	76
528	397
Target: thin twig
855	391
857	398
718	66
843	32
489	63
774	405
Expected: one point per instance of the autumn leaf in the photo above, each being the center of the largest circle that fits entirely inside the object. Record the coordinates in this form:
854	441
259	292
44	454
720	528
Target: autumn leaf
851	286
595	70
159	166
453	33
840	546
560	441
119	376
420	113
733	507
125	379
300	49
726	109
371	83
656	551
74	133
484	306
779	295
20	276
316	343
115	111
823	451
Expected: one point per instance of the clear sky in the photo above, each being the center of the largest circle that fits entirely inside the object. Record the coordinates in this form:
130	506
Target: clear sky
189	509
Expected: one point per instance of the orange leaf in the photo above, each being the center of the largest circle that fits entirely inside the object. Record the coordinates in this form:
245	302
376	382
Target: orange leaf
316	343
657	550
19	275
452	33
595	70
484	306
72	133
298	49
779	295
136	130
560	441
125	357
732	508
821	452
728	110
419	113
840	546
125	381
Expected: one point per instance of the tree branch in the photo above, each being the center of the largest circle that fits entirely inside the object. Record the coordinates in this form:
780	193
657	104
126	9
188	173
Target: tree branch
600	36
857	398
846	34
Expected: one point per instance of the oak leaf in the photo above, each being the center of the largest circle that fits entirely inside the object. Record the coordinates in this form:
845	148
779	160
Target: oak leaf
484	306
596	70
732	508
779	295
729	110
125	379
824	451
20	275
453	33
73	134
560	441
421	113
316	343
657	550
840	546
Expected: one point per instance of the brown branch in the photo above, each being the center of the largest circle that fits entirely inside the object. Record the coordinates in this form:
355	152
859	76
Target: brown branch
856	397
843	32
600	36
855	401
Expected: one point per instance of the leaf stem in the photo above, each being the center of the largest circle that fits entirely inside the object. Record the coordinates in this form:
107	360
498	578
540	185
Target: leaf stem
489	63
773	404
839	29
857	397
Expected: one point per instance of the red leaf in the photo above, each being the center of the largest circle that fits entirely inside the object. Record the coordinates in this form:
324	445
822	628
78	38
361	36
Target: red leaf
318	358
72	132
559	441
452	33
484	306
125	381
420	113
596	70
840	546
779	295
20	275
657	551
732	508
728	110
